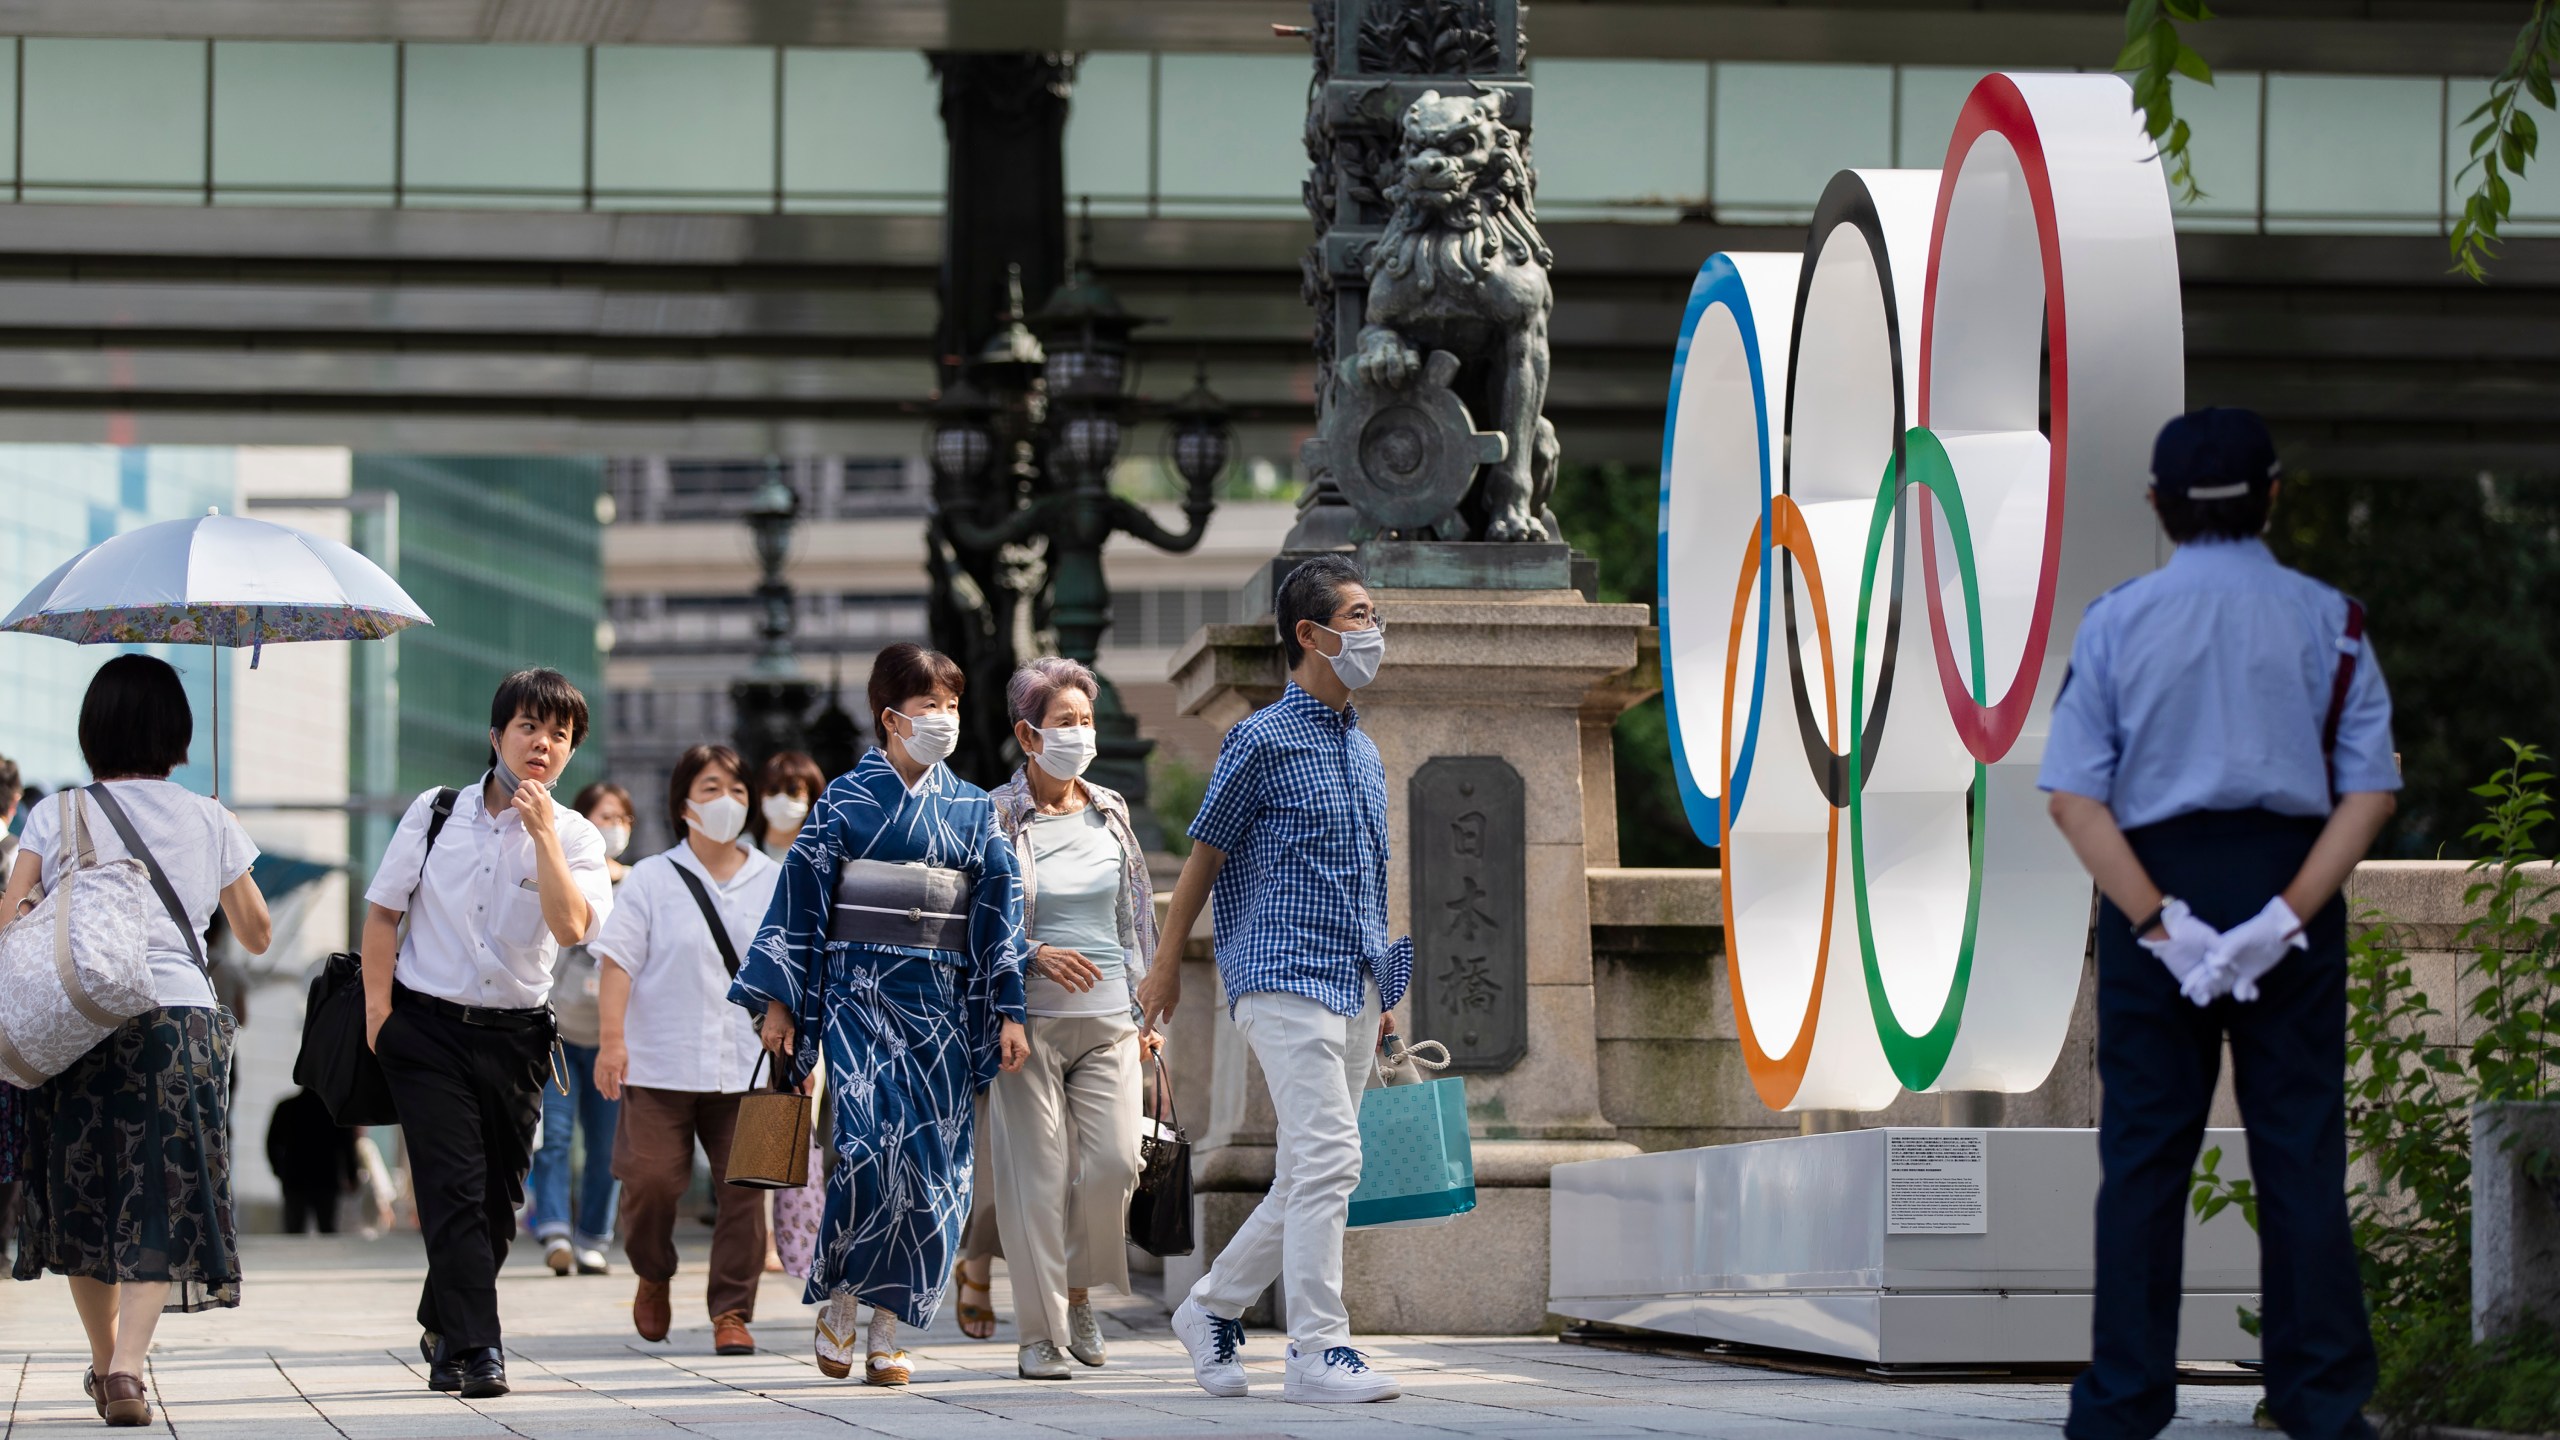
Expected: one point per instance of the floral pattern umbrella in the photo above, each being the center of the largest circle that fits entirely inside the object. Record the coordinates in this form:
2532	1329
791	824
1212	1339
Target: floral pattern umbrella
215	580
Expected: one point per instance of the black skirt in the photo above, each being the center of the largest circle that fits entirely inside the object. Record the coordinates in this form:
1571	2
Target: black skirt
128	1162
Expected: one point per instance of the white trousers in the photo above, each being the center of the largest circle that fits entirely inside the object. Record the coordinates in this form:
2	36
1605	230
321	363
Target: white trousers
1065	1137
1316	1064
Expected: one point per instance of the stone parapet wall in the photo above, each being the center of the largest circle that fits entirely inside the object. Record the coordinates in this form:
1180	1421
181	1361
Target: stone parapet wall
1671	1068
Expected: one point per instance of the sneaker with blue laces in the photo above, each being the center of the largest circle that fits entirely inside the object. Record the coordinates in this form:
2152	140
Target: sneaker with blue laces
1339	1375
1215	1343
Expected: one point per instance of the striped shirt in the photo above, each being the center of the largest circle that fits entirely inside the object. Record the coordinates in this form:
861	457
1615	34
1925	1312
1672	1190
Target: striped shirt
1298	803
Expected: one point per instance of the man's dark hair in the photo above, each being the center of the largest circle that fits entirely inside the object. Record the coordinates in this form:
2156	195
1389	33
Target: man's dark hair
689	768
1313	591
2233	517
135	719
12	785
906	670
544	694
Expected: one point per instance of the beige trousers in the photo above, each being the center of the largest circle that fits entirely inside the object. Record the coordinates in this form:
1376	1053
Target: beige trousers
1066	1157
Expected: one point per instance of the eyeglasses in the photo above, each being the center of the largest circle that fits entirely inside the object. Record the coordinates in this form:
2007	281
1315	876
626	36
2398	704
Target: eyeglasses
1358	614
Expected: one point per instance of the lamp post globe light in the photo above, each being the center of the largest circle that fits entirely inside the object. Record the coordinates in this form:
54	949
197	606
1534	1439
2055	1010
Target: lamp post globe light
1023	447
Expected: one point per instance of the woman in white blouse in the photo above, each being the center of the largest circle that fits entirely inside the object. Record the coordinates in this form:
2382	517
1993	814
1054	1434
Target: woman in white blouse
674	1051
1066	1122
128	1152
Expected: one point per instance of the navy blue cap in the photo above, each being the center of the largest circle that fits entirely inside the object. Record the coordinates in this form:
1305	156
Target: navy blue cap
2221	453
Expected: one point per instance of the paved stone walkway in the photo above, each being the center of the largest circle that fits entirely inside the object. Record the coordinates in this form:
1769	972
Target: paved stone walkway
323	1346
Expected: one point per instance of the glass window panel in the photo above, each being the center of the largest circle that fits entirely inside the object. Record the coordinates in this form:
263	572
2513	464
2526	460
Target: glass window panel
495	125
8	110
126	114
1107	128
291	116
2536	196
1782	130
2354	151
684	122
1932	97
1231	128
861	123
2222	119
1619	132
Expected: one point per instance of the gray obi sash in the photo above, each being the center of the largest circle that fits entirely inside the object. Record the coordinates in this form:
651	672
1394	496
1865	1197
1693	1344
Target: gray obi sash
881	903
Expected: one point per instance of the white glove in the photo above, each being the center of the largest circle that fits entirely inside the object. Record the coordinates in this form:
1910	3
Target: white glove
2255	945
2185	950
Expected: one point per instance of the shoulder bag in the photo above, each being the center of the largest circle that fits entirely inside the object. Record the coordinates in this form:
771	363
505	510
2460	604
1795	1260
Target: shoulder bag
1160	1208
78	966
335	1063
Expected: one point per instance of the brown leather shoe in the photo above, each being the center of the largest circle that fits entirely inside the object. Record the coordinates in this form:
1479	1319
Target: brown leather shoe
127	1402
650	1314
729	1334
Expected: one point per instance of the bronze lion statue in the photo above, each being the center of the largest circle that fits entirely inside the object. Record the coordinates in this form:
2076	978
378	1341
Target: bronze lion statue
1460	268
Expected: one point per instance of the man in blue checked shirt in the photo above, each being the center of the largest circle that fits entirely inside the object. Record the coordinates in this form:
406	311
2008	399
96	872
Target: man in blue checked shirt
2220	759
1293	837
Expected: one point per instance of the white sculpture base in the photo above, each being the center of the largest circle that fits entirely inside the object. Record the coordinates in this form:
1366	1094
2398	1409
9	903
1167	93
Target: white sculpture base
1791	1244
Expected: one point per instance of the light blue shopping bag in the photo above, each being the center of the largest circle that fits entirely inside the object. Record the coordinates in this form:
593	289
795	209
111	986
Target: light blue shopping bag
1416	1167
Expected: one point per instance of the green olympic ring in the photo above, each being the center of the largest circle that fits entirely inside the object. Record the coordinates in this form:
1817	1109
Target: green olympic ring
1916	1059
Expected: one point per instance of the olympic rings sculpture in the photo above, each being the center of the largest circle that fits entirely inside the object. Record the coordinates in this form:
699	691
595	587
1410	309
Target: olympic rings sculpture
1899	913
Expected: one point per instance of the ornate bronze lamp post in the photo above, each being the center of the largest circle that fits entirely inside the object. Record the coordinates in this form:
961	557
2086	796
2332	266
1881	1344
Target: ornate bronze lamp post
773	697
1074	414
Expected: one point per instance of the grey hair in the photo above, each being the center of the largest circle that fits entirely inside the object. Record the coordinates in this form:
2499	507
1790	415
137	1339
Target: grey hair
1039	681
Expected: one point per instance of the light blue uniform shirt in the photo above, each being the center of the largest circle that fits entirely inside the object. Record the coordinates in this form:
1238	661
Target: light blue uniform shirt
2204	685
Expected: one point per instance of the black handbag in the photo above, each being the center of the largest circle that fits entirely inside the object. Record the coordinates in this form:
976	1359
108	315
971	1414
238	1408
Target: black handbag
335	1062
1160	1208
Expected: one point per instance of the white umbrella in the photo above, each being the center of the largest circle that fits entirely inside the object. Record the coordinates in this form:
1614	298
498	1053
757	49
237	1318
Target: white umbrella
215	579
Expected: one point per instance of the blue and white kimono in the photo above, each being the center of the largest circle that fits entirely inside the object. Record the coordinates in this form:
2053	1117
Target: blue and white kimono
910	1035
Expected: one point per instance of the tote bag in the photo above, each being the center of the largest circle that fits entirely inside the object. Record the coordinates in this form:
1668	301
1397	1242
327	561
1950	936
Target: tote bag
78	966
1160	1208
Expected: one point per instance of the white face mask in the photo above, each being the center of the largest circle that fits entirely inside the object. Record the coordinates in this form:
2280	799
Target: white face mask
1066	750
1357	665
785	812
617	838
719	820
933	737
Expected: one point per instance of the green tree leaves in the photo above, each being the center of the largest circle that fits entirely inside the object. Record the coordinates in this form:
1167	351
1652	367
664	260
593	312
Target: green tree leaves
2506	139
2154	52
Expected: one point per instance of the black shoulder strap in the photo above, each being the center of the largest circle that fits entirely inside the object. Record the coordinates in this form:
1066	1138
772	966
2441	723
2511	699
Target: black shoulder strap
437	814
711	917
134	847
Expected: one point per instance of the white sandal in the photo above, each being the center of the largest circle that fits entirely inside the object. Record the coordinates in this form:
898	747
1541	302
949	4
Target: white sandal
836	1347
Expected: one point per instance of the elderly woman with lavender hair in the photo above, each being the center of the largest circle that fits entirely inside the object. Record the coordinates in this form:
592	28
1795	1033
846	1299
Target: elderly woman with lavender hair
1065	1125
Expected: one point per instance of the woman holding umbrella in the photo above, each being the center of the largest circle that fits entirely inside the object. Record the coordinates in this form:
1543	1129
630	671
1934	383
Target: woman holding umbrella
128	1186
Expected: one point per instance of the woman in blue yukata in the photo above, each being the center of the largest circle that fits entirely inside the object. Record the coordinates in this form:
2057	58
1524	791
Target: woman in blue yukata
894	945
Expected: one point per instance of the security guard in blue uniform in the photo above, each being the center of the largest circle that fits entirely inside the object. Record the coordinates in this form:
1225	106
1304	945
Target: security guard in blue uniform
2220	760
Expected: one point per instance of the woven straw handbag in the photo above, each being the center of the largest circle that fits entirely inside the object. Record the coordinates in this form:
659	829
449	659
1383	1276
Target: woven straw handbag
78	966
769	1150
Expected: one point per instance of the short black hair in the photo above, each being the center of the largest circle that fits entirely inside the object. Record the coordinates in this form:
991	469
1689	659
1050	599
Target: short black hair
135	720
2232	517
1312	591
689	768
906	670
544	694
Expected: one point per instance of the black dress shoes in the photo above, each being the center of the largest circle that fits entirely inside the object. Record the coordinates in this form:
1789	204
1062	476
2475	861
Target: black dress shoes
443	1374
484	1373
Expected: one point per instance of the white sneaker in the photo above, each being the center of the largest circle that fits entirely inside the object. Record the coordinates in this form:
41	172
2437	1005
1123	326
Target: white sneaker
1338	1376
1214	1343
1041	1360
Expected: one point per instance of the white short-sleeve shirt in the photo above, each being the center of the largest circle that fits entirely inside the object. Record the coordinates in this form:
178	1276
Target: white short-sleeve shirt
476	935
680	1030
200	847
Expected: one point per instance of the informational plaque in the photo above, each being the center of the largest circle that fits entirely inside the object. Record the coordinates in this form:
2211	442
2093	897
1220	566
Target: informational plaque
1470	849
1937	1182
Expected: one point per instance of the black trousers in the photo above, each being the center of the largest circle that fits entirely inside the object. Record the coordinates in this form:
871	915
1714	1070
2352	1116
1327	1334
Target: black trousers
314	1209
469	1097
2158	1058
